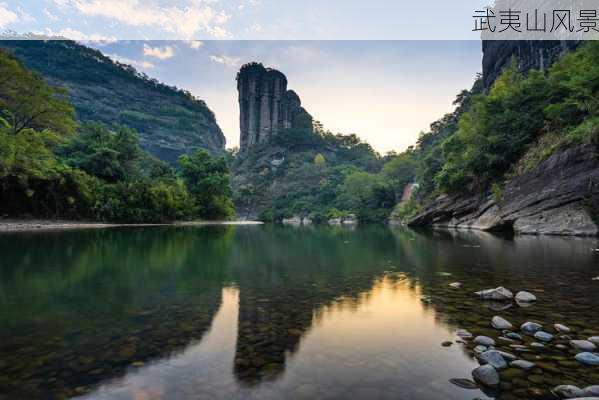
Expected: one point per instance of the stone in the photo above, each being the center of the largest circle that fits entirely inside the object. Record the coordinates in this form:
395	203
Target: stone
480	349
500	293
455	285
530	328
446	344
486	375
588	358
537	345
514	336
525	297
567	391
522	364
594	340
484	341
562	328
499	323
591	390
583	345
463	333
464	383
493	358
507	356
543	336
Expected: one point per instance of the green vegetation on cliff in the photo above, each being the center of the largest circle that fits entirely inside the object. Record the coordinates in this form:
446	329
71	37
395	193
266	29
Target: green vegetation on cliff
170	121
52	167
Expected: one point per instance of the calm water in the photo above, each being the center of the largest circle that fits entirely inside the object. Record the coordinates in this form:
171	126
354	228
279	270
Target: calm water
262	312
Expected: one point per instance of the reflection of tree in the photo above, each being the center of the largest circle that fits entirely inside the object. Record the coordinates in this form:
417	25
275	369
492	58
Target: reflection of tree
82	306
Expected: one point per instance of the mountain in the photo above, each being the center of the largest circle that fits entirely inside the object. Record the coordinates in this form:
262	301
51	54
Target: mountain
170	121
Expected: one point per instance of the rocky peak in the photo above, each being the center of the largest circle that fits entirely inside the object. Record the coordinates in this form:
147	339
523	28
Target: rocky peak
266	106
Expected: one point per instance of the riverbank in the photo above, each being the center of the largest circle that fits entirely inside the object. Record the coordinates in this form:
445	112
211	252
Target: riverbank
17	225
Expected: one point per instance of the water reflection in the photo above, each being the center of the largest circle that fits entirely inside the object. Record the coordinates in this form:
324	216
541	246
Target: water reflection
266	312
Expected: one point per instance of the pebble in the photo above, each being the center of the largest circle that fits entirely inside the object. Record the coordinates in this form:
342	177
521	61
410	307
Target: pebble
446	344
507	340
493	358
514	336
583	345
500	323
486	375
525	297
588	358
543	336
591	390
522	364
594	340
507	356
561	346
499	293
562	328
537	345
455	285
484	341
530	328
567	391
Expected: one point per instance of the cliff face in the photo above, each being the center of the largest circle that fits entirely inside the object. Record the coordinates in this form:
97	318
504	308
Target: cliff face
560	197
497	54
266	106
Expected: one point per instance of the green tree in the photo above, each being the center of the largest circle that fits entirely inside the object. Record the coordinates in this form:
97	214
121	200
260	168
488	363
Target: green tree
26	101
207	179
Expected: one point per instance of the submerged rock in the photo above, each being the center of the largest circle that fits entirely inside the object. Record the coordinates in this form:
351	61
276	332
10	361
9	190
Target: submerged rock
500	323
464	383
493	358
514	336
543	336
567	391
500	293
463	333
507	356
583	345
486	375
588	358
484	341
525	297
455	285
537	345
591	390
522	364
530	328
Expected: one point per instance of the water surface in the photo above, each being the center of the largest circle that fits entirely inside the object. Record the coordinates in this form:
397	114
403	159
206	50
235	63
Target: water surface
270	312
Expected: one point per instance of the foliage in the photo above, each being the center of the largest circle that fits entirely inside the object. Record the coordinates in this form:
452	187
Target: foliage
208	181
406	210
98	172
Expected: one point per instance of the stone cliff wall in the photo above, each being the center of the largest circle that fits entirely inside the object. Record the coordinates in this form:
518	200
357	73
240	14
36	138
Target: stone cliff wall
560	197
266	106
497	54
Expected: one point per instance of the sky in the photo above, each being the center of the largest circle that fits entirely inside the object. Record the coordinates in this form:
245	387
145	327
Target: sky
385	91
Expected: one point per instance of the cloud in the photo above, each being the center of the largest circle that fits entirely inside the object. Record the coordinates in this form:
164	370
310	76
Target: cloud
226	60
256	28
162	53
194	44
50	16
78	36
142	64
185	21
6	16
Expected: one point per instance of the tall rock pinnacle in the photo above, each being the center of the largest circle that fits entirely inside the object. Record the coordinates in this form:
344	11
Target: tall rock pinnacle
266	106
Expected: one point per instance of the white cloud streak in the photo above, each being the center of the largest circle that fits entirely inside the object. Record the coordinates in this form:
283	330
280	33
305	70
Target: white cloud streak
226	60
6	16
141	64
162	53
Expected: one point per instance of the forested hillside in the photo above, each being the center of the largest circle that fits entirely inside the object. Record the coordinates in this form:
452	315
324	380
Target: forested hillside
52	166
170	121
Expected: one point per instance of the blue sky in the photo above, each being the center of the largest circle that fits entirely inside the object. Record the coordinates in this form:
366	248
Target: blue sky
243	19
384	91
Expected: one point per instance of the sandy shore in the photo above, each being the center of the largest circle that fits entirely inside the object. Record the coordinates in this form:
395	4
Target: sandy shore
37	225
